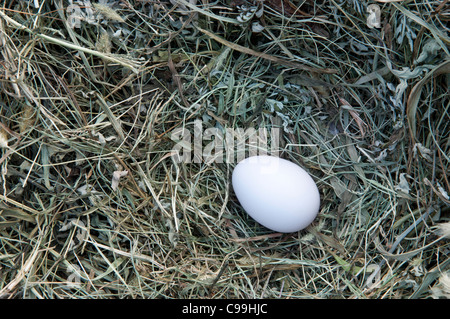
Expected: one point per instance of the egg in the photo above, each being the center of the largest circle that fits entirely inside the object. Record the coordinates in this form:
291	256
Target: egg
277	193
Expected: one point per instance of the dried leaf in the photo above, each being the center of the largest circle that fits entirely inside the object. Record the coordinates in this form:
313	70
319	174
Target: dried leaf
257	27
403	184
374	17
429	50
438	192
89	190
424	152
28	117
443	229
173	235
3	138
442	289
442	191
102	140
116	178
81	232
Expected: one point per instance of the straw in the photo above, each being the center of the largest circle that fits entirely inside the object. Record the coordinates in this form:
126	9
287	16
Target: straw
96	101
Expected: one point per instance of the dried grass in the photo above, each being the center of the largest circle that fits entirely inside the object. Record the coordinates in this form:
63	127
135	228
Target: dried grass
93	206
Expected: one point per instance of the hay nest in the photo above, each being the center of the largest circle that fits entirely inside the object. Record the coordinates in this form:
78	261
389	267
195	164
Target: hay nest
95	204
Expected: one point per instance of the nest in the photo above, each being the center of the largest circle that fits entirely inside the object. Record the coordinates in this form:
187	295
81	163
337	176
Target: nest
96	97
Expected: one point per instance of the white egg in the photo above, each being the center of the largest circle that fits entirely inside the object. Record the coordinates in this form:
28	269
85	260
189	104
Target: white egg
277	193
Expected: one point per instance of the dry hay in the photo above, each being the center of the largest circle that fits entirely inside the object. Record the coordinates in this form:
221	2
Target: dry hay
94	206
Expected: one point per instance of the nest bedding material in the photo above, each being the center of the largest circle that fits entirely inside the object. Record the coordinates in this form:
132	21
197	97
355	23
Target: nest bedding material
93	203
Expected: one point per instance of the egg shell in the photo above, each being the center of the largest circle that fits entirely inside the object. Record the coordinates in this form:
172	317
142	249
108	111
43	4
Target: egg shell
277	193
